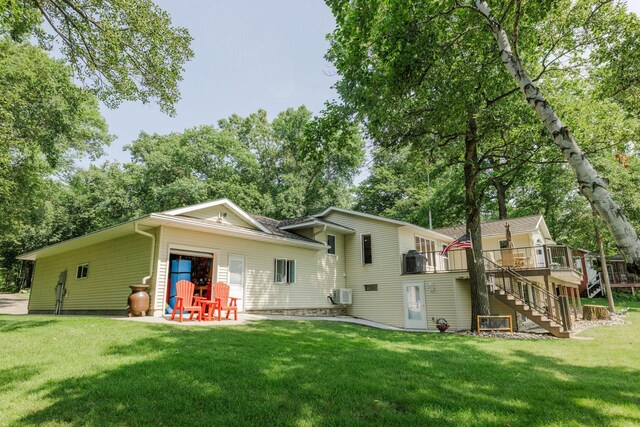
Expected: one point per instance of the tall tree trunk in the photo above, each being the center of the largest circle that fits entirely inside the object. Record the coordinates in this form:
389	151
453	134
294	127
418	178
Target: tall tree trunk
501	195
603	262
475	261
591	185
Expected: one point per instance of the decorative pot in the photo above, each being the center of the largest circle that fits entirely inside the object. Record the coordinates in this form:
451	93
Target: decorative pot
138	301
442	329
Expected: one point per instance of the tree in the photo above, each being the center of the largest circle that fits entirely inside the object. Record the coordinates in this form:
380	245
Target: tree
587	23
282	168
46	121
412	82
123	50
397	188
554	37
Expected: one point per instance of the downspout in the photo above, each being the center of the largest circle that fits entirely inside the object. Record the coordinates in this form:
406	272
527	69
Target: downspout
153	251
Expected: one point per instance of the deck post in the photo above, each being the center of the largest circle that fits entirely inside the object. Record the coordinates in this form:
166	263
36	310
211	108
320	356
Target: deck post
573	303
557	301
548	288
546	257
579	301
564	308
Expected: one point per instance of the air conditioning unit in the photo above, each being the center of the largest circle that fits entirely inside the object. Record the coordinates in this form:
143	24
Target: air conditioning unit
414	262
342	296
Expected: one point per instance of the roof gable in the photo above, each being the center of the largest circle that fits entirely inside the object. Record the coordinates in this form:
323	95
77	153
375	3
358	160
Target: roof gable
221	211
522	225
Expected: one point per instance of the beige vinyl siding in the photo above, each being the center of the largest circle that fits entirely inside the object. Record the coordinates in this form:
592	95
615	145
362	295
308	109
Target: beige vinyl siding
440	298
386	304
462	289
519	241
113	266
500	309
212	215
316	271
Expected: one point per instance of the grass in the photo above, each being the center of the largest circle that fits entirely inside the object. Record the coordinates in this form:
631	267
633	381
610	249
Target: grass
90	371
618	304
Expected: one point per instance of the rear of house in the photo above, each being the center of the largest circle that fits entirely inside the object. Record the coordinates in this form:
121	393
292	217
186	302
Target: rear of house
394	271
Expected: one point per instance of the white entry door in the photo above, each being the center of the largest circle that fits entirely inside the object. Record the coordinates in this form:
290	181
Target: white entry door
540	262
236	279
415	310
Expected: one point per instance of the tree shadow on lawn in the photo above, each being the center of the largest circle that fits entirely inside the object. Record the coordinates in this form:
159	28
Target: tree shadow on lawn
14	324
15	374
313	373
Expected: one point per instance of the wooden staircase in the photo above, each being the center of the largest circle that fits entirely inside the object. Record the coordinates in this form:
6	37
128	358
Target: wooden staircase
525	297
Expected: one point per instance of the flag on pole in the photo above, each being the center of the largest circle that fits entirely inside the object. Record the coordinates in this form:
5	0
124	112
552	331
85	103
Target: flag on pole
462	242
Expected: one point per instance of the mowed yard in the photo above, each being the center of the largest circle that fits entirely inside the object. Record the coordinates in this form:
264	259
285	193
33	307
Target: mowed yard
92	371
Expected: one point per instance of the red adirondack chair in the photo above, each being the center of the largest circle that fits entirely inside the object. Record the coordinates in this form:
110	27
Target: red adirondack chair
221	293
186	301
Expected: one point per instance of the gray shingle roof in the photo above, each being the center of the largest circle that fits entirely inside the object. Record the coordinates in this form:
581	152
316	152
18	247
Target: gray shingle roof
497	228
273	224
295	220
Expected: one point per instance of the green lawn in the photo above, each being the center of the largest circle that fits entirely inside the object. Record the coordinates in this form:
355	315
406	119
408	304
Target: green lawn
87	371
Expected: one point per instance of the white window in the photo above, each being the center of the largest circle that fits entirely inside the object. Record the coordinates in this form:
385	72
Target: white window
426	247
82	271
331	241
284	271
445	259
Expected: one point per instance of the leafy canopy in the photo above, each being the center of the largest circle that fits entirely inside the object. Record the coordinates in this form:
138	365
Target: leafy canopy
122	49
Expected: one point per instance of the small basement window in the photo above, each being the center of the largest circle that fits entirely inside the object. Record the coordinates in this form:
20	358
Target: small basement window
331	241
82	271
371	288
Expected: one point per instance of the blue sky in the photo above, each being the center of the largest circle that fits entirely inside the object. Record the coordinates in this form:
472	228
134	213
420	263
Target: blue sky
249	54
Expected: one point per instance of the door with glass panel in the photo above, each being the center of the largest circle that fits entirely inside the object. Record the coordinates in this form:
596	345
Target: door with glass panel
415	310
236	279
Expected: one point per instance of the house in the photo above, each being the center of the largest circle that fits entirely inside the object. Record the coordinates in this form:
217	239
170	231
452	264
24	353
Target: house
619	277
529	274
291	266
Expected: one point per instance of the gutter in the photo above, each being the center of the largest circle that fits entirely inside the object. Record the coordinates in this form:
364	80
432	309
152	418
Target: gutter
153	251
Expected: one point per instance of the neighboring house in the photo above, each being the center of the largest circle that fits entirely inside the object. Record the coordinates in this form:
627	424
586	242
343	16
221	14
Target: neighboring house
292	266
619	277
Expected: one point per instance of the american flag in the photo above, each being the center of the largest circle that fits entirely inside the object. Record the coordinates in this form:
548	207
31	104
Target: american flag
462	242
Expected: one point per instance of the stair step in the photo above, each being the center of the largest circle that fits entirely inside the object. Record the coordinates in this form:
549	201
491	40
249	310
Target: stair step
535	316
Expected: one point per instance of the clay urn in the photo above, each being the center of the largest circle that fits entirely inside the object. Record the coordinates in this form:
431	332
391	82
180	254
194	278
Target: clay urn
138	300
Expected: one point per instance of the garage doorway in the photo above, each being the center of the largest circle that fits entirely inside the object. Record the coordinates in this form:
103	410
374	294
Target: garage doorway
196	267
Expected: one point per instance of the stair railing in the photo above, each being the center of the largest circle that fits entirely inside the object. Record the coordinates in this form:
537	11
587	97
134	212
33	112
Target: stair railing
527	292
594	286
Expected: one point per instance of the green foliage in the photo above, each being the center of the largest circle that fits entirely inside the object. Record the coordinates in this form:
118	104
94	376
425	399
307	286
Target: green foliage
397	188
46	121
619	57
122	49
288	167
625	297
